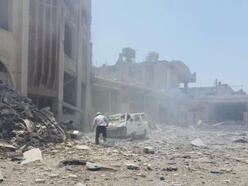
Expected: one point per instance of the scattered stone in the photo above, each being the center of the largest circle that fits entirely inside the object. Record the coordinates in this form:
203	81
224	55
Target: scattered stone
170	169
82	147
149	168
96	167
141	175
162	178
92	166
131	166
217	172
197	143
149	150
73	176
72	162
176	184
40	181
80	184
186	156
54	175
32	156
1	177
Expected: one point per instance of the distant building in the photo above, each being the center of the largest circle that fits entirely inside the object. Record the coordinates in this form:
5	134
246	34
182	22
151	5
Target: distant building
152	86
45	53
219	103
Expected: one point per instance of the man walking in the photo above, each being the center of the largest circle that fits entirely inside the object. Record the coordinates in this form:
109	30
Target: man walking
100	123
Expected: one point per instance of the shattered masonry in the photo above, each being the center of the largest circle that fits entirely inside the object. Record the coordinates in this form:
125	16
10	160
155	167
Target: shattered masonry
22	123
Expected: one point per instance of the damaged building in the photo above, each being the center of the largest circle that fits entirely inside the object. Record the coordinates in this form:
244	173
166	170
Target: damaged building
152	86
45	53
219	103
161	89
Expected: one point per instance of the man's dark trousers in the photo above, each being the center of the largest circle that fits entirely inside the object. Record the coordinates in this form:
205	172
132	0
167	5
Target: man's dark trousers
100	130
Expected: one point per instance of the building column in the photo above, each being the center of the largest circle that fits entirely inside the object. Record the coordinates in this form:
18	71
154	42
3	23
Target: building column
21	19
60	70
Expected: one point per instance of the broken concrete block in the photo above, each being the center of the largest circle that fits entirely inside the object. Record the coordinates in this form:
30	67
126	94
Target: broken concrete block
149	150
197	143
31	156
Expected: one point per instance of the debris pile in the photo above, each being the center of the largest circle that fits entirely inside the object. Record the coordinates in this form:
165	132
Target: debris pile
22	123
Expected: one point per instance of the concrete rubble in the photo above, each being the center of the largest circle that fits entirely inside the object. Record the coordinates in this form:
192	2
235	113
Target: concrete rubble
32	156
175	161
22	123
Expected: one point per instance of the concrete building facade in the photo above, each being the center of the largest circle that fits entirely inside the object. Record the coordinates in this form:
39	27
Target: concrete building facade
45	53
14	34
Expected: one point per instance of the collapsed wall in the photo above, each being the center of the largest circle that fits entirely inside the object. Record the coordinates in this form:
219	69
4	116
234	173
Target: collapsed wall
22	123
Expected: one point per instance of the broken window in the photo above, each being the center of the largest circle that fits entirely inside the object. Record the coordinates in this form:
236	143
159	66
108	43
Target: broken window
83	96
68	40
70	89
6	11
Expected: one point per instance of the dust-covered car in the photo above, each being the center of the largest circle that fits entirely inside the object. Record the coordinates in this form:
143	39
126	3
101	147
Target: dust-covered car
128	125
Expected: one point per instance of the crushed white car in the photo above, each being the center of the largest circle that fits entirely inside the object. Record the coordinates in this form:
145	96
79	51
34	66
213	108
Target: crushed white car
128	125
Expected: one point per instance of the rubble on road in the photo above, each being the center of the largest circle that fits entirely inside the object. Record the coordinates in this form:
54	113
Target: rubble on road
175	162
22	123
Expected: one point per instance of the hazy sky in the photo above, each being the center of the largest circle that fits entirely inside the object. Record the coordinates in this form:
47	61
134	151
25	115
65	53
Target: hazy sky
210	36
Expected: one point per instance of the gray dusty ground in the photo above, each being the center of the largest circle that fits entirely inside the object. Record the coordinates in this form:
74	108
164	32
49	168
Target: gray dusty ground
175	161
